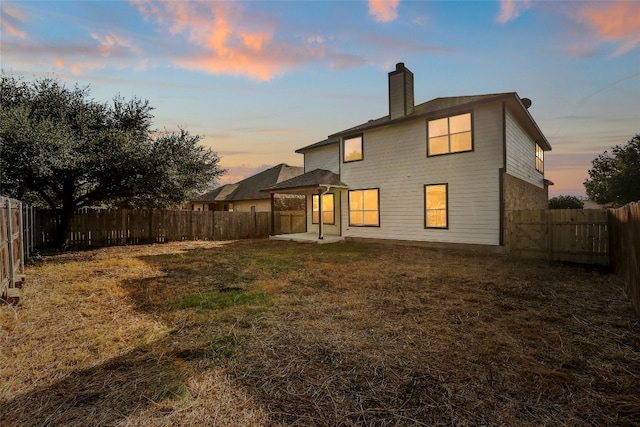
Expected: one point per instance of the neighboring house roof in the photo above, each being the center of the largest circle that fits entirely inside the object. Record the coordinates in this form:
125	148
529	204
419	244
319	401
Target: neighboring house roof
442	106
317	178
218	194
249	188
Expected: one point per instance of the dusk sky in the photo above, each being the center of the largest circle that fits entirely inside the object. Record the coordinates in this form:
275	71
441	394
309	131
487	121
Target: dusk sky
261	79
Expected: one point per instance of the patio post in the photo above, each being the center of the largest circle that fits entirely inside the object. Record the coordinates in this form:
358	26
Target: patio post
273	215
320	216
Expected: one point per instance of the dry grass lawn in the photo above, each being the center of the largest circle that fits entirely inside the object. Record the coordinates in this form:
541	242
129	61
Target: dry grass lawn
261	333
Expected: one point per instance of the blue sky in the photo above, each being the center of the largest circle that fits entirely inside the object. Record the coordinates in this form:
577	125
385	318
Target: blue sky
260	79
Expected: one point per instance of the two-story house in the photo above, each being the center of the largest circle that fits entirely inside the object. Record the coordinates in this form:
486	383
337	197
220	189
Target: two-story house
444	171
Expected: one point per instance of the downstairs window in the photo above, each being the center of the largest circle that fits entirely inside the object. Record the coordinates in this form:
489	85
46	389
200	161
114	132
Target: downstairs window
436	206
364	208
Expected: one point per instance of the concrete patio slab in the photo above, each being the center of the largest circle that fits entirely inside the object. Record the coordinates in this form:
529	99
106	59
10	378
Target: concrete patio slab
307	238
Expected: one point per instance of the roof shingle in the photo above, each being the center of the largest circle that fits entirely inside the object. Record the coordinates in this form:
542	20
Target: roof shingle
249	188
315	178
434	107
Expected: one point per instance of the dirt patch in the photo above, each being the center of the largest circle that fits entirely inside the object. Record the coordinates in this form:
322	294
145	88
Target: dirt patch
278	333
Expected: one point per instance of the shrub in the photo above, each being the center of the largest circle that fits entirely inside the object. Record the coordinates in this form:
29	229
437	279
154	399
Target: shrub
565	202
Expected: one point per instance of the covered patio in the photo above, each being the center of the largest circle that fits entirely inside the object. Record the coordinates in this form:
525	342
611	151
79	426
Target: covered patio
318	182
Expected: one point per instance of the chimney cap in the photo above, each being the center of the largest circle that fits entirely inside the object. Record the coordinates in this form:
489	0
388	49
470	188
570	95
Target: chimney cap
400	66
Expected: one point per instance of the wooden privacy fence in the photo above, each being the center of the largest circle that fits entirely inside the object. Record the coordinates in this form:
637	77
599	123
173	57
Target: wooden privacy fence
17	241
290	222
91	228
624	242
575	235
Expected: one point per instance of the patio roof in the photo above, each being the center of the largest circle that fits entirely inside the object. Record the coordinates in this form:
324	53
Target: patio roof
317	178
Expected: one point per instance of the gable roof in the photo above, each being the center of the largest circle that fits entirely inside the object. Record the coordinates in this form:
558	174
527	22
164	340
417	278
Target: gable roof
315	179
218	194
442	107
327	141
249	188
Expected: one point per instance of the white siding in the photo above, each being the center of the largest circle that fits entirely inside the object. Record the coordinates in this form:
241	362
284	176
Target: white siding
327	157
521	153
395	161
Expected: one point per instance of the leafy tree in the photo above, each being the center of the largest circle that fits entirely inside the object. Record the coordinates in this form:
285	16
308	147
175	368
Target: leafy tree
62	150
565	202
289	202
615	177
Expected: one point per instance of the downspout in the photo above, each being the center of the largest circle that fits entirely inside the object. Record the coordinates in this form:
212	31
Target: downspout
327	188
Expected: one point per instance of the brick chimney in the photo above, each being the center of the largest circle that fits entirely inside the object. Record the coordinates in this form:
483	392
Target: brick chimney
400	92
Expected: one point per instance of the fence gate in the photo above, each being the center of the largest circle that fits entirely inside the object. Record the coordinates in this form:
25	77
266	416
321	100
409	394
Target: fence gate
290	222
12	249
575	235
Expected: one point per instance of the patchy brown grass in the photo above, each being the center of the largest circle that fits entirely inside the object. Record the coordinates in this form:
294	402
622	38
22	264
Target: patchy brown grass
276	333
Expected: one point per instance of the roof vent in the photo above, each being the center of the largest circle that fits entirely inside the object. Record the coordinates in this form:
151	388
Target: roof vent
526	102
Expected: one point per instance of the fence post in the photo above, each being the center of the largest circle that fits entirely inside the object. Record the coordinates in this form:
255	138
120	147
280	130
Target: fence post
549	222
20	236
291	223
33	228
25	229
12	272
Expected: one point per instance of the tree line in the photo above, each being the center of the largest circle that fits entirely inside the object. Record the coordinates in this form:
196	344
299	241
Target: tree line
614	178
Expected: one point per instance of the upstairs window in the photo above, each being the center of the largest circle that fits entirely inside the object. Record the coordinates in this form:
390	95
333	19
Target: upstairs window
539	159
328	211
352	149
364	208
450	135
436	211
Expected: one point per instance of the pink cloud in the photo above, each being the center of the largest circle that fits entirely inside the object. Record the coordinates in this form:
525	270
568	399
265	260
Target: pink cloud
11	18
226	41
511	9
74	57
119	50
255	41
110	43
384	10
614	21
